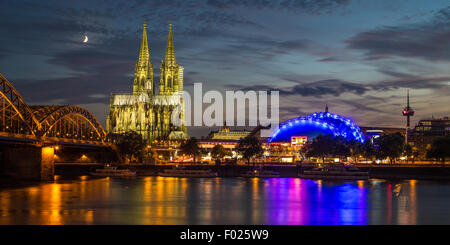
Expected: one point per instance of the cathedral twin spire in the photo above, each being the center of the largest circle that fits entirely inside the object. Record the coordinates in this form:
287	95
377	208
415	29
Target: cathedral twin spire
170	70
143	71
171	79
144	54
170	49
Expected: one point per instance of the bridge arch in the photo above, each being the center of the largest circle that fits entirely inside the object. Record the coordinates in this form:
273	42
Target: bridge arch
69	122
16	116
72	121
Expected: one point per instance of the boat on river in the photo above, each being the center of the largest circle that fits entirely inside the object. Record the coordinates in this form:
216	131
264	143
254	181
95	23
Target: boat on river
261	174
111	171
336	172
188	173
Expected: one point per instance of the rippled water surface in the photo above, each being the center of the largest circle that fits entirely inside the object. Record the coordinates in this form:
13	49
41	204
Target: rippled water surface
163	200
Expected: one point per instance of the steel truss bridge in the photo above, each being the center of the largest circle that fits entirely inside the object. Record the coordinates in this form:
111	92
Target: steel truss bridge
68	124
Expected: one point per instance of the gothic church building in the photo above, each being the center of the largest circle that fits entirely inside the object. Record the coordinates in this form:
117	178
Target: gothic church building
145	111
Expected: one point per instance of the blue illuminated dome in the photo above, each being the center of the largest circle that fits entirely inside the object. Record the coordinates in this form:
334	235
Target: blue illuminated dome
315	124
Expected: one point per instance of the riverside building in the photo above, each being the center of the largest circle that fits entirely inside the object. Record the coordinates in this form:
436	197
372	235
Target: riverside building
427	130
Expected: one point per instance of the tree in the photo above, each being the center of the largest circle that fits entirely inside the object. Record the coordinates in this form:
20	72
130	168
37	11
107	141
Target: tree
250	147
391	145
321	146
324	146
356	149
191	148
368	150
440	149
408	150
165	155
415	153
149	151
218	152
341	147
131	144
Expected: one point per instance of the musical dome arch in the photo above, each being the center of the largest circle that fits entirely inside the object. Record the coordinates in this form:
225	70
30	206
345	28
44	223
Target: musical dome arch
315	124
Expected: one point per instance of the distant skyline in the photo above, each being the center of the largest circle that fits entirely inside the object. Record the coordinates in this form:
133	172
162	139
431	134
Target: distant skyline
359	57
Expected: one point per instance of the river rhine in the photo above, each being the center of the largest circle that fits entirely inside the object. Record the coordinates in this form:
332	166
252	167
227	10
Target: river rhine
164	201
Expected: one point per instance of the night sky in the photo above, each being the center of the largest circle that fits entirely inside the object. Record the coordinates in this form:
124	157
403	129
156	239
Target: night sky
359	57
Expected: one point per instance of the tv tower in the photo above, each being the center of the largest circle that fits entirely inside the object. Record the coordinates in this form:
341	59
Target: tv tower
407	112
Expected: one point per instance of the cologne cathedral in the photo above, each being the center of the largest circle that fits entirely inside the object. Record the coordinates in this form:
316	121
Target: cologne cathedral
148	112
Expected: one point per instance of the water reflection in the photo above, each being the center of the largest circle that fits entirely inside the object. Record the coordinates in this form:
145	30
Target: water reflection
161	200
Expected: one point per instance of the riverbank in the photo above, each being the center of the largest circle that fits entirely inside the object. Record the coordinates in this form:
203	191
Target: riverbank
383	172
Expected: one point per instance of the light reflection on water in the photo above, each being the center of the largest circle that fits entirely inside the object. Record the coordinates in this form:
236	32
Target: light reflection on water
164	200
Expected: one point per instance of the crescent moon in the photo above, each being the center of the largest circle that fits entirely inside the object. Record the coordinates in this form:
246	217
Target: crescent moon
85	39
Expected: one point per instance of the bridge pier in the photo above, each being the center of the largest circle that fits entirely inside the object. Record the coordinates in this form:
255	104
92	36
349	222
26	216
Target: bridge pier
47	163
27	162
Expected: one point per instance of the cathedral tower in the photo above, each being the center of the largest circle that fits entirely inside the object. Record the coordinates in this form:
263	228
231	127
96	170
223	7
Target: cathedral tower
143	71
171	79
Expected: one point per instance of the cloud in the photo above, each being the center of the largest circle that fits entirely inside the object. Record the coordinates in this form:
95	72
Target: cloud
416	83
95	61
429	40
72	90
312	7
334	87
405	80
330	59
360	106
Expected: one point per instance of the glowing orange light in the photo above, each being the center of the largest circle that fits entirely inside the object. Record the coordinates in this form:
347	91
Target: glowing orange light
47	151
299	140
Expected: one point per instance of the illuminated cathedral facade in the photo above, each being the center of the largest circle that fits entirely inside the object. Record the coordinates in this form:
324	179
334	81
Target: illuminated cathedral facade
147	112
